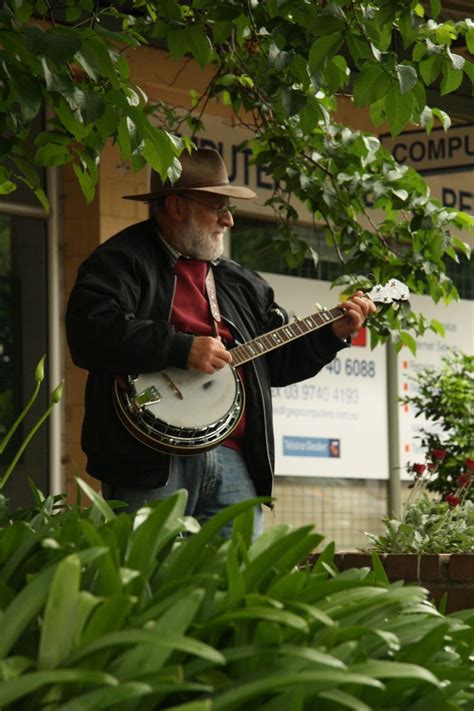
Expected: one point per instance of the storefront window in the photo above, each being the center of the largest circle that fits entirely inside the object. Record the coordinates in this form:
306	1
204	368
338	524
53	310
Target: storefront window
23	341
252	244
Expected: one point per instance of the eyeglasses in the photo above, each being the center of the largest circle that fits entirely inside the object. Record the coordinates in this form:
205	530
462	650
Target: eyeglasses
220	211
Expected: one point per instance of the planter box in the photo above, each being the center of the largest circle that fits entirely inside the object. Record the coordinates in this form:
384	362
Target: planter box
452	574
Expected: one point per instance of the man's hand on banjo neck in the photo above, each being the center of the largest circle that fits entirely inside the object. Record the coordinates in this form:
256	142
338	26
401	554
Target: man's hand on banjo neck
358	309
209	354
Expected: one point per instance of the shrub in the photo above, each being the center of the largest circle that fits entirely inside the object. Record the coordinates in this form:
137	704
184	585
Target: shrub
445	398
105	610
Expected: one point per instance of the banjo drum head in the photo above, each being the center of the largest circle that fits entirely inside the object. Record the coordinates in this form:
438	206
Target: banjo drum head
190	399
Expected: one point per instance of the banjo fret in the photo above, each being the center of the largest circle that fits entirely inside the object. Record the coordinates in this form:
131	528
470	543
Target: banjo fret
246	352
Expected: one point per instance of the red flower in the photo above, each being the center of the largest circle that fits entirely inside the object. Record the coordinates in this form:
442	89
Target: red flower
419	469
469	464
452	499
464	480
438	455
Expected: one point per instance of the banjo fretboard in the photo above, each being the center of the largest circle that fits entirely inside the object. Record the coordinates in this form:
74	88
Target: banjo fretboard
284	334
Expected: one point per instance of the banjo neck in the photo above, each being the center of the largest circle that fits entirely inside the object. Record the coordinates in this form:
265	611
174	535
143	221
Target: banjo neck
284	334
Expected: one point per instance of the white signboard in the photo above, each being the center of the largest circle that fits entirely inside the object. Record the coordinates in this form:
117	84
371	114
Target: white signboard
335	424
458	321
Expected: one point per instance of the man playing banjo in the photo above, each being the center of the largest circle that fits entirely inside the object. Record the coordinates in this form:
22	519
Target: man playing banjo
159	318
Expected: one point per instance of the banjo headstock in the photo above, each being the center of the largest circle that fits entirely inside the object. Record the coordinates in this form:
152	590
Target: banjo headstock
393	291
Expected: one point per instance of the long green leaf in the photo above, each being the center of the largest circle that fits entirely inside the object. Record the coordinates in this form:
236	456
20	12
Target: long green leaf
159	527
343	699
242	693
175	620
189	556
381	669
15	689
23	609
202	705
57	632
109	697
270	614
124	638
97	500
277	555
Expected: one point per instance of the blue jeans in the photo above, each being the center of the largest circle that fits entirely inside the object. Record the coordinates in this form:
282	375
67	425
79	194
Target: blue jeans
213	480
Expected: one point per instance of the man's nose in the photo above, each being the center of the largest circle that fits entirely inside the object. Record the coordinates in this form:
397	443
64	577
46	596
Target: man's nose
227	219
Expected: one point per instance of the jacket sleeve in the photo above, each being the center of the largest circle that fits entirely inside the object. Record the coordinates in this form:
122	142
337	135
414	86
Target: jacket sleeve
301	358
107	321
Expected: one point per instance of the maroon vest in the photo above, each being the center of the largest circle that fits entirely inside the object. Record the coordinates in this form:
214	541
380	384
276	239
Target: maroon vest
191	313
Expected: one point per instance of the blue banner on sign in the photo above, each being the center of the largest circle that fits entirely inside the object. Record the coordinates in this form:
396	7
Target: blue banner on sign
311	447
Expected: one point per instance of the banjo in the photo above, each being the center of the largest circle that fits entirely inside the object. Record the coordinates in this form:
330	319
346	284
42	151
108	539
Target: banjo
185	412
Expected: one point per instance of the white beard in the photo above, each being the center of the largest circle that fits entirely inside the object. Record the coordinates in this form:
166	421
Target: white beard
200	243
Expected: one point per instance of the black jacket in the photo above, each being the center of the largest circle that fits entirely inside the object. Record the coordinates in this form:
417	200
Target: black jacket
118	323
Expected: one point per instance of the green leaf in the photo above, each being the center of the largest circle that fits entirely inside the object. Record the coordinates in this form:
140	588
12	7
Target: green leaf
200	46
438	327
23	610
202	705
188	557
155	531
292	100
28	92
379	570
379	669
452	79
241	694
323	49
178	43
23	10
310	115
98	55
109	697
435	6
470	42
443	117
341	698
408	340
372	83
407	29
430	68
398	110
129	637
52	154
55	43
358	48
14	689
57	632
221	31
7	187
337	73
407	77
97	500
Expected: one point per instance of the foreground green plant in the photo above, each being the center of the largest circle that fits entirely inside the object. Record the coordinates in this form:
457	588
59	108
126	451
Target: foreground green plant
55	397
195	622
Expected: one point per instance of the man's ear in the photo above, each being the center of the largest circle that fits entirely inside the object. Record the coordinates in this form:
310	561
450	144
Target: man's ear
175	207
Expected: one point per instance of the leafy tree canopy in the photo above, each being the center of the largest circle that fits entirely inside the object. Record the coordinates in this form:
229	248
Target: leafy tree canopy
280	65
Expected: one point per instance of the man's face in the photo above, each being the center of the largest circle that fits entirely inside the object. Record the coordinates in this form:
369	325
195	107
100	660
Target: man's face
203	233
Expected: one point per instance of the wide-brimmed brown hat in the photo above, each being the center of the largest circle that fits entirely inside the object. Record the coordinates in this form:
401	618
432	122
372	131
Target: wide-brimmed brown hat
203	170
